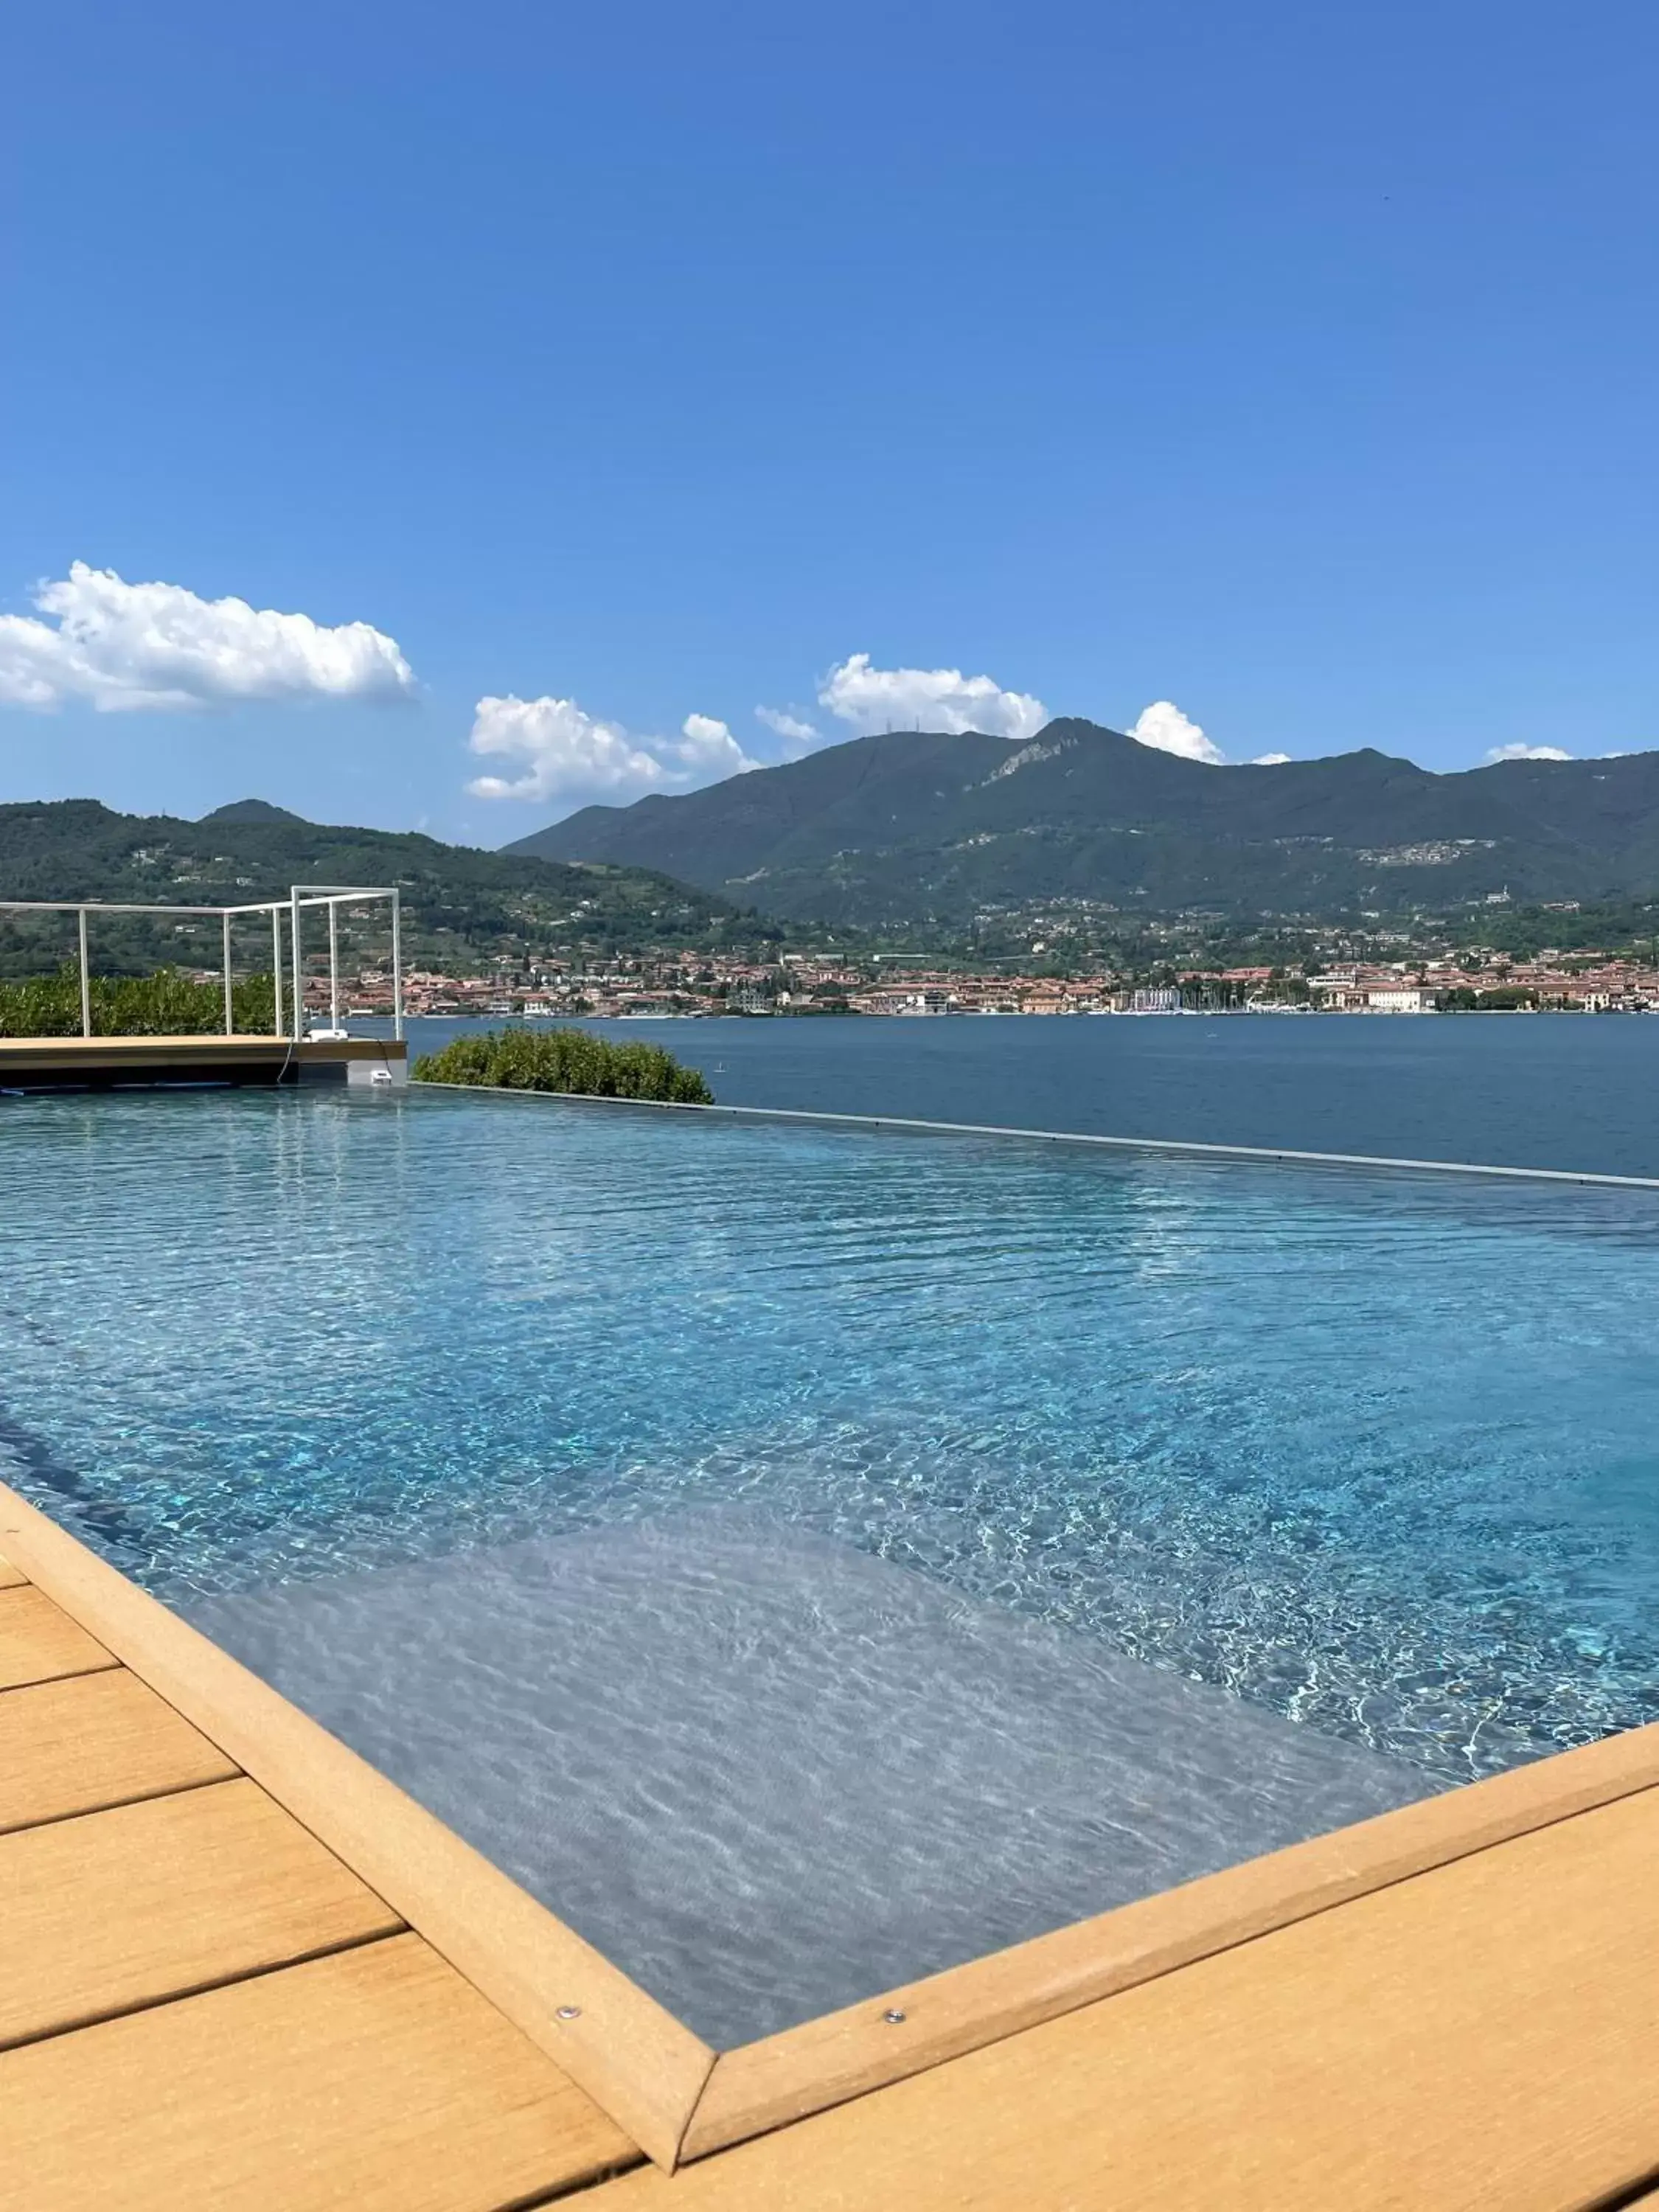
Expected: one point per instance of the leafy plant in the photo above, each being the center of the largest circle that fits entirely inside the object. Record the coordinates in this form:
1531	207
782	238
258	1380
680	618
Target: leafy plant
164	1004
569	1060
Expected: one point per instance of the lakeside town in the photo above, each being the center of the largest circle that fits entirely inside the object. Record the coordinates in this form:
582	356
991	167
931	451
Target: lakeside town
699	984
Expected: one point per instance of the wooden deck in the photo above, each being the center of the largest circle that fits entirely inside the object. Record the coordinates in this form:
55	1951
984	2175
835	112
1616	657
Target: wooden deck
105	1063
242	1970
202	2006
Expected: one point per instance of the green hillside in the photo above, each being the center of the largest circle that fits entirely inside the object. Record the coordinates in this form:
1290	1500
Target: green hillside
462	909
918	827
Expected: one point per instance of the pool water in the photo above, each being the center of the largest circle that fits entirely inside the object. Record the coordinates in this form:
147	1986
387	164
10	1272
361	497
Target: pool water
1373	1452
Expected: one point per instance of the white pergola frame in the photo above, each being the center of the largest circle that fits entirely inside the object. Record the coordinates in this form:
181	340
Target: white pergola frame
302	898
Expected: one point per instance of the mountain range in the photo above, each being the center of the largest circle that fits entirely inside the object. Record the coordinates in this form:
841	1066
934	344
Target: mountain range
459	902
912	826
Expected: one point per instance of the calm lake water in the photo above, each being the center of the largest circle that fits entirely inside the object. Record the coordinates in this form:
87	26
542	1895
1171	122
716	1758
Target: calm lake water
1509	1090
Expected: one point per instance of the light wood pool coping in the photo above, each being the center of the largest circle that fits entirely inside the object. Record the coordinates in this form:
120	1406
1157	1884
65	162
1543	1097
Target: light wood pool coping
232	1942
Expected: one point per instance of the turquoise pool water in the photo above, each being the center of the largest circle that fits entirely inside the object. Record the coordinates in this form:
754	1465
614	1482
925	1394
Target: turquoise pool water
1374	1451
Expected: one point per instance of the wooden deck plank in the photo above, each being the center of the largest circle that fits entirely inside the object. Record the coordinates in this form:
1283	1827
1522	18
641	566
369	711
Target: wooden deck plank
38	1642
127	1907
376	2079
94	1741
10	1576
1478	2038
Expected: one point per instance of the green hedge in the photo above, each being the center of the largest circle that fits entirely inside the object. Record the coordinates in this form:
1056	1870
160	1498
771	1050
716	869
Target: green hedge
165	1004
565	1059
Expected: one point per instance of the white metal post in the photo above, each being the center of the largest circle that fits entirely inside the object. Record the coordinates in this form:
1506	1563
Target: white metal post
276	971
230	1013
397	965
334	963
86	979
296	967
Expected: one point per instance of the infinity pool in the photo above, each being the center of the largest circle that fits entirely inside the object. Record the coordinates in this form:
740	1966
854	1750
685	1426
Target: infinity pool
1379	1452
999	1531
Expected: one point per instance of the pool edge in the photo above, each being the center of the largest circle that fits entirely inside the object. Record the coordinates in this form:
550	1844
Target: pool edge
1263	1154
677	2097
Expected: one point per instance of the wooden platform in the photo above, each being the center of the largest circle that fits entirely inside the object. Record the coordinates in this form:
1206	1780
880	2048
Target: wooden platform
242	1970
201	2006
100	1063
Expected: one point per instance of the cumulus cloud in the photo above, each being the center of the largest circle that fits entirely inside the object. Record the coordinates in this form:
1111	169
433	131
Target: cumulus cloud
564	755
1527	752
127	648
1167	730
706	750
1270	760
789	725
941	699
561	749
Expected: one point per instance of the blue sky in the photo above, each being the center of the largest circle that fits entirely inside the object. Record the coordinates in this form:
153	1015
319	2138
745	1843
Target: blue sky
1292	364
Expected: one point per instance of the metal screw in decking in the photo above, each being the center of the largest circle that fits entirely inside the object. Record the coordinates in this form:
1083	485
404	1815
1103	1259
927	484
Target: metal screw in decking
893	2017
569	2012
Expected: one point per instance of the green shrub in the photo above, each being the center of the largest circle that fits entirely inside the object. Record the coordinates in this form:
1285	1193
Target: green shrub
165	1004
570	1061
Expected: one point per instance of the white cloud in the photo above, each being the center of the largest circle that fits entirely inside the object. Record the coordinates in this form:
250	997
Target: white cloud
1167	730
706	750
563	750
1527	752
1269	760
568	756
941	699
132	646
789	725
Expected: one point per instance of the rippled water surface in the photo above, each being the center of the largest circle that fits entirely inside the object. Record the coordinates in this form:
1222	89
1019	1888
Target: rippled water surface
1375	1451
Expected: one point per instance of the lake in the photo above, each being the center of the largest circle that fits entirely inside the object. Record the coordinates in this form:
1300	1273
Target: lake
1568	1090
